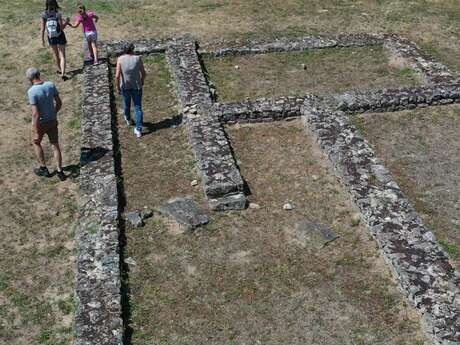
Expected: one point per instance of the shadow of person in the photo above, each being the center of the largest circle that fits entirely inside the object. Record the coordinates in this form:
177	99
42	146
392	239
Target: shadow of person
92	154
72	170
170	122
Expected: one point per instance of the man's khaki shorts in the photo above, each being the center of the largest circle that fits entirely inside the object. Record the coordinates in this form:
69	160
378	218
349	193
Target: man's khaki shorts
48	128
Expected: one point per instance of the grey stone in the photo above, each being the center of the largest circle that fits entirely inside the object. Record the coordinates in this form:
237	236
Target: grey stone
134	218
236	201
314	234
186	212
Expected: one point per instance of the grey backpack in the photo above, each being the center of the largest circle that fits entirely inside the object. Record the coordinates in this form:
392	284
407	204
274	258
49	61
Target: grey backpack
52	25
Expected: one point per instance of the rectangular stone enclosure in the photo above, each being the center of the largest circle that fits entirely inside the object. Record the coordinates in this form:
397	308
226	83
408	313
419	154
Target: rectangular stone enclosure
418	263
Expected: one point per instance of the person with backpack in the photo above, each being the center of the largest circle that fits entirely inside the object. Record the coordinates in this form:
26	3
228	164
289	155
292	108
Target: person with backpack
88	20
53	24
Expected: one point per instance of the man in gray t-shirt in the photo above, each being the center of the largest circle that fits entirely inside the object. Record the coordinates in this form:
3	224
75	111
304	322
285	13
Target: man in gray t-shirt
46	103
130	75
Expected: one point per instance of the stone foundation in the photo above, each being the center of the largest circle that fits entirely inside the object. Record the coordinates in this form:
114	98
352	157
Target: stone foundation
433	72
225	47
98	318
352	102
222	181
417	261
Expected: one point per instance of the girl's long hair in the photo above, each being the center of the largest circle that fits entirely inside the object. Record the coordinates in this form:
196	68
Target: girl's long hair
52	5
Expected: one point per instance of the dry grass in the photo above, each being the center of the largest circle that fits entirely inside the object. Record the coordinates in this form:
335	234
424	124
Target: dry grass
326	71
36	279
250	277
421	149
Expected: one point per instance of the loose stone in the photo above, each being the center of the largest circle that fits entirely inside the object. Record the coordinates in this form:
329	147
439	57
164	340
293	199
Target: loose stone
254	206
134	218
314	234
355	219
289	206
186	212
130	262
194	183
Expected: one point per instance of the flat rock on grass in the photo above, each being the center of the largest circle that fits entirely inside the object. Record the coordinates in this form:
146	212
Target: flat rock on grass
314	234
135	219
186	212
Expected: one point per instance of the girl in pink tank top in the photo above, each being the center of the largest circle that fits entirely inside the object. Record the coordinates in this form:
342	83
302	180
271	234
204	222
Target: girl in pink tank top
88	19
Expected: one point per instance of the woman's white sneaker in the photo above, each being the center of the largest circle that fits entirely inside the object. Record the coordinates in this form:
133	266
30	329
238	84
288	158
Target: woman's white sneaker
137	133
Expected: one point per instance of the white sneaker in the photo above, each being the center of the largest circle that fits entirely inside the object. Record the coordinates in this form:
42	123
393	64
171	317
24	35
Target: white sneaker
137	133
128	122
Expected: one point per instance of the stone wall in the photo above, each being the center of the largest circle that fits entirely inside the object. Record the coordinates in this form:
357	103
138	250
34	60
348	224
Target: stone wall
433	72
418	263
115	48
356	102
98	318
222	181
352	102
226	47
260	110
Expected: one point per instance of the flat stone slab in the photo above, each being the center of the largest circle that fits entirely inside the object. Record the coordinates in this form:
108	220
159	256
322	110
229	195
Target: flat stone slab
186	212
314	234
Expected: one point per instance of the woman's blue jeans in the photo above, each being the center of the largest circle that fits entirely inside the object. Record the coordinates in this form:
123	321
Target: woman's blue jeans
136	97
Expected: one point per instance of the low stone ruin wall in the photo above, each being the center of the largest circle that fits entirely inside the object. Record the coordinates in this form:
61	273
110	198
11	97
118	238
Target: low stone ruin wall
222	181
261	110
225	47
418	263
115	48
98	318
352	102
356	102
433	72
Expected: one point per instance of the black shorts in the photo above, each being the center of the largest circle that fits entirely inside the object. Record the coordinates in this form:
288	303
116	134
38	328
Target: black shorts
60	40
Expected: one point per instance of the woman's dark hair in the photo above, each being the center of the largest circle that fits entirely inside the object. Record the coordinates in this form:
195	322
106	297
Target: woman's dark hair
52	5
128	48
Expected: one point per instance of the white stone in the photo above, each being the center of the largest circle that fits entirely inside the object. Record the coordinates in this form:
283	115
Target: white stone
130	262
194	183
288	206
254	206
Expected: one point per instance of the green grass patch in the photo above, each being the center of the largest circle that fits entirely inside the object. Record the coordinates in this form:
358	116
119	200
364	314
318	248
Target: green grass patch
451	249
